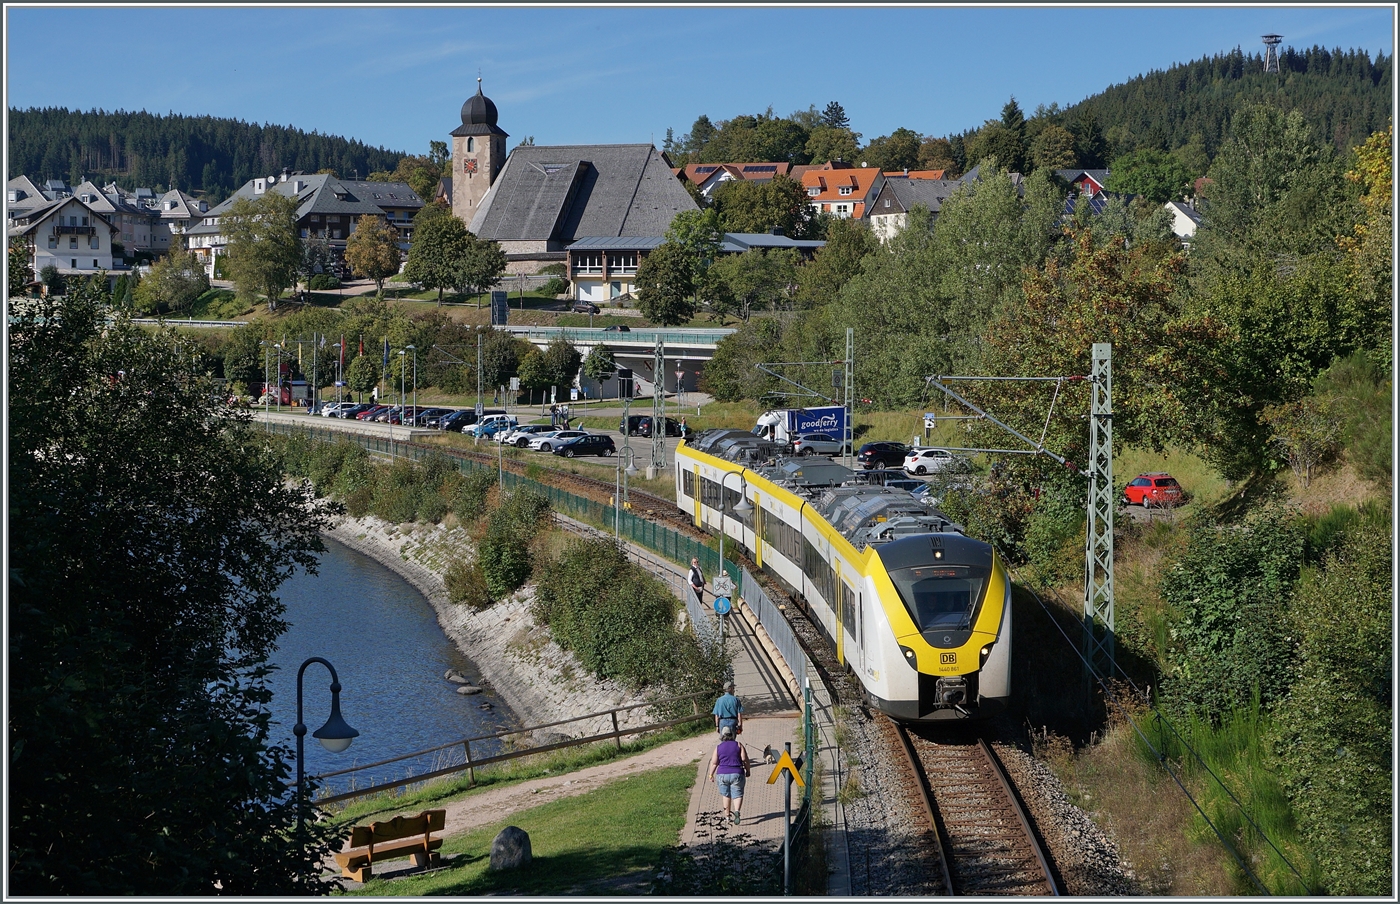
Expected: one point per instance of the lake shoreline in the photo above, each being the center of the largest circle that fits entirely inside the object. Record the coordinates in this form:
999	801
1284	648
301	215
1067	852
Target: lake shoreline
513	657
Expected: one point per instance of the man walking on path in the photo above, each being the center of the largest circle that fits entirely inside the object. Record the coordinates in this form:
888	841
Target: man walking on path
728	711
697	580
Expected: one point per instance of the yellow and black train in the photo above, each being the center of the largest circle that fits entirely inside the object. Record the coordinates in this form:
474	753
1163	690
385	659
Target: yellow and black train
917	610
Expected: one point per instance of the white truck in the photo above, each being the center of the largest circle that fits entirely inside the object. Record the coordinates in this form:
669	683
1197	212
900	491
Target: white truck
782	425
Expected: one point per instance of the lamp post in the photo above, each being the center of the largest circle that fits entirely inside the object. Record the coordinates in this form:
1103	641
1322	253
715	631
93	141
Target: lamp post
339	377
743	508
267	353
620	488
335	735
415	380
403	409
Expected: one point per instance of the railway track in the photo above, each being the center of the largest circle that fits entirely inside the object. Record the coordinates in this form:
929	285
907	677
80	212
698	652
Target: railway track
984	838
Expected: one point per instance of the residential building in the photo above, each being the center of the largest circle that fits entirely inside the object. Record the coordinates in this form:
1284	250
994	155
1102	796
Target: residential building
1185	220
706	177
178	212
326	206
68	234
917	174
604	268
889	212
22	196
840	191
139	228
1088	182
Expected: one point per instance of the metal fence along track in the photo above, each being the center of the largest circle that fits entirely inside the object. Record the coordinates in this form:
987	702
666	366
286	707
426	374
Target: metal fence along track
776	625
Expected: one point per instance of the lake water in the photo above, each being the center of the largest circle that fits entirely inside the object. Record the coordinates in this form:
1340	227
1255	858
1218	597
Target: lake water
384	640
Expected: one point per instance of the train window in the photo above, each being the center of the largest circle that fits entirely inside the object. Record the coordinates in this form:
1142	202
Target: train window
945	597
688	483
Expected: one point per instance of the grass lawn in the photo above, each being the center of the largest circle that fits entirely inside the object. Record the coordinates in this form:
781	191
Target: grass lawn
604	842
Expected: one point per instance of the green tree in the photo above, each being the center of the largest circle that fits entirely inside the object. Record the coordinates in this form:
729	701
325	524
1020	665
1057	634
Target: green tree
757	280
1052	148
762	206
848	242
937	154
599	365
730	375
439	245
1156	175
534	371
562	361
264	246
421	174
54	283
363	374
152	527
828	143
315	256
665	286
481	266
21	270
173	284
834	116
896	151
373	250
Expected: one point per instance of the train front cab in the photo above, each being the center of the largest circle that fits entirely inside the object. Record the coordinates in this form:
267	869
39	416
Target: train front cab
954	668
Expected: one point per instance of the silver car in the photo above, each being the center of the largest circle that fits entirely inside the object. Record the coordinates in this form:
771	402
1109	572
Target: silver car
817	444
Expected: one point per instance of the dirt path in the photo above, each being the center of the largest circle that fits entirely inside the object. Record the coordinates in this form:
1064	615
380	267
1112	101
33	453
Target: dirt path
486	807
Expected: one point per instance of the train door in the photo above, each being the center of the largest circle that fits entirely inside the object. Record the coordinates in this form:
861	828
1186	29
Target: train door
757	530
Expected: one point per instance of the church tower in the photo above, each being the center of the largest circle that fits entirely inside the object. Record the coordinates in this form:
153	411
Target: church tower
478	153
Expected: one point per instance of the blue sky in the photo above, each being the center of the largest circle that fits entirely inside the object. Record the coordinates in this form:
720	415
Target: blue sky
396	77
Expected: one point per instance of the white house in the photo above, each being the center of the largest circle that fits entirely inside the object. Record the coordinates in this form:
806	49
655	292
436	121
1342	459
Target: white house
1184	220
66	234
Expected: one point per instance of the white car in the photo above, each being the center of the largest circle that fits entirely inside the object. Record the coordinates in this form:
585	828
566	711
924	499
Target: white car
931	461
330	408
545	442
522	435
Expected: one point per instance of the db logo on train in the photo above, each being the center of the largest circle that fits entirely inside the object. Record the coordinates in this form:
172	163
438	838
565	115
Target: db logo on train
948	658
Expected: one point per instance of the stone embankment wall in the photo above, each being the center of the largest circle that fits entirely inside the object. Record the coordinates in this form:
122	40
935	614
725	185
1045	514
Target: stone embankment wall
514	657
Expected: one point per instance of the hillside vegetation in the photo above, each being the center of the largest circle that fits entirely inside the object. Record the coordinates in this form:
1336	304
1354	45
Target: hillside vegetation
195	154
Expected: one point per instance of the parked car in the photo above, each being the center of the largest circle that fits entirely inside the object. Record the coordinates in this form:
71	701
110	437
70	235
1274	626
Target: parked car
673	427
455	420
817	444
1153	489
591	444
585	307
492	424
931	461
908	484
329	409
352	411
425	415
546	442
371	412
617	328
631	425
882	455
521	436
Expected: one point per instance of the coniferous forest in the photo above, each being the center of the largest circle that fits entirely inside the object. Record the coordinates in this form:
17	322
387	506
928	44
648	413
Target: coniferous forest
196	154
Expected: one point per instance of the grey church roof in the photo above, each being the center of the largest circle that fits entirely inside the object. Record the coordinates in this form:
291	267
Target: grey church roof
557	194
478	116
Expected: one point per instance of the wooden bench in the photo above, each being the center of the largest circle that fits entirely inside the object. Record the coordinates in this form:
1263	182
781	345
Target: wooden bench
402	836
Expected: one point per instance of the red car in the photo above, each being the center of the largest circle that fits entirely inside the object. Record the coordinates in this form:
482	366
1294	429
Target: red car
1153	489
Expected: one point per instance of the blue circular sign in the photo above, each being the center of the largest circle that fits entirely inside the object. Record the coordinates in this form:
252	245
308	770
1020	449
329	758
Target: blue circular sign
722	605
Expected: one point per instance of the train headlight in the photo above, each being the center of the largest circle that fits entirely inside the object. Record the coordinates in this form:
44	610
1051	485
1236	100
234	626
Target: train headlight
909	657
986	651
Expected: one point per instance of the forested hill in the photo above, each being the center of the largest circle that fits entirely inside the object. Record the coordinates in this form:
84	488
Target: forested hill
1344	95
192	153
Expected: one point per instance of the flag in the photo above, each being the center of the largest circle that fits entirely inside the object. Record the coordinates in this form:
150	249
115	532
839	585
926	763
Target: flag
386	352
342	351
362	344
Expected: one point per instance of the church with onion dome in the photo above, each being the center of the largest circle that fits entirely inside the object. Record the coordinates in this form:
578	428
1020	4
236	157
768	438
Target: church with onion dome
539	200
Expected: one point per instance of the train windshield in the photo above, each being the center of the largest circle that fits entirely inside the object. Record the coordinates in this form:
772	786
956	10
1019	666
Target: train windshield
941	597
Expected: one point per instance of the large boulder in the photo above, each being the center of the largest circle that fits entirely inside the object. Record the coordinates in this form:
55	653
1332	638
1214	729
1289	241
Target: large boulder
510	849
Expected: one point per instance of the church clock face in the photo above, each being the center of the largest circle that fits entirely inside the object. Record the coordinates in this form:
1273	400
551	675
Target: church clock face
469	165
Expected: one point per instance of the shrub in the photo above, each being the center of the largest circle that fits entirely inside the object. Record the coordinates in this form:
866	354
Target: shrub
358	501
1334	739
555	286
466	583
397	492
323	281
1054	541
471	494
1229	596
504	553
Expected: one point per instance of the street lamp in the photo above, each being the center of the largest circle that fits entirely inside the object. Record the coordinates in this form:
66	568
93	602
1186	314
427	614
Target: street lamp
415	378
403	409
339	377
620	488
743	508
267	378
335	735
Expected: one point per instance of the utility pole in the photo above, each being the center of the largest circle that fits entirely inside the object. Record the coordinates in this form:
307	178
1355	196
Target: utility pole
658	410
1098	538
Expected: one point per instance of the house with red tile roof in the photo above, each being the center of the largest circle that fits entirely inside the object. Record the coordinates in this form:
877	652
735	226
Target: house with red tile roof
709	176
842	192
934	174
